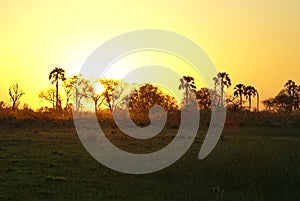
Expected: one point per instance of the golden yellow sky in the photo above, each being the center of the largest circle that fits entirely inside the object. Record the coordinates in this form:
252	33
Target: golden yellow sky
256	42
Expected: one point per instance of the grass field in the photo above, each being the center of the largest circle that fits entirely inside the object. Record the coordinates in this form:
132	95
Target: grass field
46	161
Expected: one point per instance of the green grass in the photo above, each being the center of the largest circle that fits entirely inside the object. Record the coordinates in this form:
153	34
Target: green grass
250	164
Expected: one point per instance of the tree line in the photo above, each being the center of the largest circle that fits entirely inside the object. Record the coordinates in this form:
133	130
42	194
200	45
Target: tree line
104	93
111	94
287	100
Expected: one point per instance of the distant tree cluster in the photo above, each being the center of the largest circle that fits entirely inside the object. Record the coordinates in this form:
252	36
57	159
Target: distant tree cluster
146	96
287	100
215	98
242	91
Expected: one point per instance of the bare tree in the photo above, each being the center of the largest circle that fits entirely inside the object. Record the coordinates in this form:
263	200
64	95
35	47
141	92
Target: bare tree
15	95
2	105
81	90
49	95
68	86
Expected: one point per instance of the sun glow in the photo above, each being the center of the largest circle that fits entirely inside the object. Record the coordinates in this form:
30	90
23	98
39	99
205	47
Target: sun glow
98	88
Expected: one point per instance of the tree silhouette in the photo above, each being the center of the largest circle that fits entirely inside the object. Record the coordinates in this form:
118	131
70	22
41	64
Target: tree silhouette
49	95
98	98
187	83
249	92
2	105
269	104
113	92
283	101
148	95
15	95
222	80
292	90
239	91
55	75
68	86
257	101
207	98
286	100
297	98
232	102
291	87
81	90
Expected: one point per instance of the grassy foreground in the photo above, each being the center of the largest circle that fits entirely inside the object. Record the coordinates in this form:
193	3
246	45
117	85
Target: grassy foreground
46	161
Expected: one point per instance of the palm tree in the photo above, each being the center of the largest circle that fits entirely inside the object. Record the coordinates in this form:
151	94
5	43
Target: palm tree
187	83
224	80
257	101
292	89
297	97
249	91
55	75
239	91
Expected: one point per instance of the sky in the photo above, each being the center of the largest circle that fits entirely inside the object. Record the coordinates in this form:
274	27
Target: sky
256	42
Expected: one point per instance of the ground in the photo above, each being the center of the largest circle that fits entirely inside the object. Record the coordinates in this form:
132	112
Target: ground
46	161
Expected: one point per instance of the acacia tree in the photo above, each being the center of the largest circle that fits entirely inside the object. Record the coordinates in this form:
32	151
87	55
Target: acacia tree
15	95
239	91
222	80
55	75
188	84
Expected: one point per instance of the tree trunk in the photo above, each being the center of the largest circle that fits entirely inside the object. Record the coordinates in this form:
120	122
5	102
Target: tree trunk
222	93
257	107
96	102
249	103
14	105
186	94
241	101
67	103
76	100
53	100
57	93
